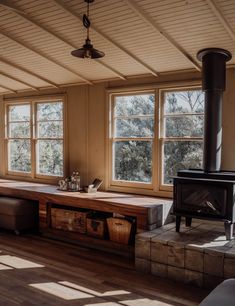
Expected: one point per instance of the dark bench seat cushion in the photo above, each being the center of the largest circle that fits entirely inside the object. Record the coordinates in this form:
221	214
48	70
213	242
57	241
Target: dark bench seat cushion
18	214
14	206
222	295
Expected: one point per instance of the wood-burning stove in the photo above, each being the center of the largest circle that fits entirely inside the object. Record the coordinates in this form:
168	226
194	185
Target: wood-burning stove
208	193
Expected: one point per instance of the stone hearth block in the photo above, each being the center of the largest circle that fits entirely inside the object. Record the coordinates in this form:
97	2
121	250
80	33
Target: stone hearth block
167	216
159	252
154	213
176	255
193	278
230	252
164	229
160	214
194	260
176	274
229	267
147	235
152	227
158	269
211	281
142	248
142	265
214	263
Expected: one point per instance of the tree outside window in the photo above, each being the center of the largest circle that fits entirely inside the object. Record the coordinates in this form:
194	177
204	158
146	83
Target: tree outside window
49	147
182	132
133	132
19	134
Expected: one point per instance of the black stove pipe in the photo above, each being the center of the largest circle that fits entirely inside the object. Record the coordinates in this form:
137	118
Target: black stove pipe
213	84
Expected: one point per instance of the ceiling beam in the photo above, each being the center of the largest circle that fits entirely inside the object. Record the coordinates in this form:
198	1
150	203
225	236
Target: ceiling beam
221	18
118	74
145	17
67	9
18	80
48	58
7	5
8	89
60	38
3	60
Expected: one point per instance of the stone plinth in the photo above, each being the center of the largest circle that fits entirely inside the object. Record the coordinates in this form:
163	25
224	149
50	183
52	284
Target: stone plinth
199	255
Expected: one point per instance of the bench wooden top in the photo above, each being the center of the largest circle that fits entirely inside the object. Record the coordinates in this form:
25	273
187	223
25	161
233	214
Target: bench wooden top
126	204
44	190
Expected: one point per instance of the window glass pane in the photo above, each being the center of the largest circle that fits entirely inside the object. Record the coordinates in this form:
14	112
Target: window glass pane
19	112
134	105
184	126
19	155
50	111
19	130
50	157
190	101
135	127
179	155
133	161
52	129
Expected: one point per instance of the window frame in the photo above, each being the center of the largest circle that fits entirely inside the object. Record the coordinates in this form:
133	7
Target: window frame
163	139
156	187
128	184
7	138
33	102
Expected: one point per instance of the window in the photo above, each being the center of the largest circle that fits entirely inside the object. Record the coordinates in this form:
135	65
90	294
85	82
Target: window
133	133
19	135
35	142
181	131
154	134
49	136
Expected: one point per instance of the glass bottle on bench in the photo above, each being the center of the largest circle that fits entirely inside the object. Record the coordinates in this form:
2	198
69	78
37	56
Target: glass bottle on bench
75	181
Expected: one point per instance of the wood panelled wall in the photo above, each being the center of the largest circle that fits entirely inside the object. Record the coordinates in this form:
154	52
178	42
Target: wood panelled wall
87	119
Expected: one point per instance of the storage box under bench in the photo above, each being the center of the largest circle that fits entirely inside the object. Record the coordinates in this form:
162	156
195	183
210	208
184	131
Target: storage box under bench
69	220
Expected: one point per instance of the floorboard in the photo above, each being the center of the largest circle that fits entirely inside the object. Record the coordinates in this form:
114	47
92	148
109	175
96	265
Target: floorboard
73	275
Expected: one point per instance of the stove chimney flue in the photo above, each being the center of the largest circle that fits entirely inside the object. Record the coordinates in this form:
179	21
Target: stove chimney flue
213	84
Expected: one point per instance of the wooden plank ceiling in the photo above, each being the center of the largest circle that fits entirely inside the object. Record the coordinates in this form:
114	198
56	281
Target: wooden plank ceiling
139	37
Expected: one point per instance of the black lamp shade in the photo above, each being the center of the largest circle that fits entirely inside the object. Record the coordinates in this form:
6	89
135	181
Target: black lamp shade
87	51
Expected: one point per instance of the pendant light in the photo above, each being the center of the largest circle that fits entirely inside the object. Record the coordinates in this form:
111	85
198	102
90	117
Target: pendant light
87	51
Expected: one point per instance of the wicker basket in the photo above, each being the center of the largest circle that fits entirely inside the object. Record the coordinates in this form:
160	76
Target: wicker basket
119	230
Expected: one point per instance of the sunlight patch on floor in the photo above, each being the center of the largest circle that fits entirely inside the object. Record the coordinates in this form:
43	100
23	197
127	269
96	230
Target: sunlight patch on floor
146	302
93	292
2	267
18	263
135	302
106	304
61	291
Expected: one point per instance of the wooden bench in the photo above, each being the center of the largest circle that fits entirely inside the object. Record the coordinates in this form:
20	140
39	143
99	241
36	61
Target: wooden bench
149	212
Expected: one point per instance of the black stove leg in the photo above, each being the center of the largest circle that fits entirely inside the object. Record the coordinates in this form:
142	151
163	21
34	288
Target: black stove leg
188	221
228	226
178	221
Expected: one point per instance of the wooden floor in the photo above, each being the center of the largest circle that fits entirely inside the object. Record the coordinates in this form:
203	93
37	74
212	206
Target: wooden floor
39	271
